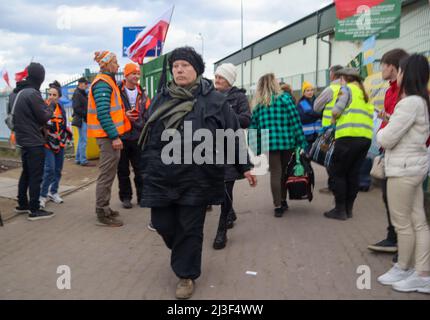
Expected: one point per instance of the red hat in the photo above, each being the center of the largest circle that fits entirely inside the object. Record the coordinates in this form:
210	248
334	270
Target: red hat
131	68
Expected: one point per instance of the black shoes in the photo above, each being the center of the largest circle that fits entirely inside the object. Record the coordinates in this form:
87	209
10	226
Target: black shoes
220	240
40	214
231	218
126	204
20	210
336	213
384	246
279	211
349	206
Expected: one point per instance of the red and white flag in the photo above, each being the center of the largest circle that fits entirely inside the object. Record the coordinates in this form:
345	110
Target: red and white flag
19	76
348	8
5	76
149	37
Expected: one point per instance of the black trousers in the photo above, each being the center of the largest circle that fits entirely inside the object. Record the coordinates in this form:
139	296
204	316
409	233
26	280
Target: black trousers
391	231
130	154
181	228
348	156
33	163
226	206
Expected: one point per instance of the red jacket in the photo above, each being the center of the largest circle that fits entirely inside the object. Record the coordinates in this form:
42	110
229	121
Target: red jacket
390	101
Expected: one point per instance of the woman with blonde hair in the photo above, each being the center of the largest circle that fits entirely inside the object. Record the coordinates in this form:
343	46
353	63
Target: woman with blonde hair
275	111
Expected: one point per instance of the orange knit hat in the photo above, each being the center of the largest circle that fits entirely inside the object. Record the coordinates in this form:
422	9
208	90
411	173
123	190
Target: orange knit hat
103	58
131	68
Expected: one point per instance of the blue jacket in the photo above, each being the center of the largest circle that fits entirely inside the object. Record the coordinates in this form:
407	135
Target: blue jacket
310	119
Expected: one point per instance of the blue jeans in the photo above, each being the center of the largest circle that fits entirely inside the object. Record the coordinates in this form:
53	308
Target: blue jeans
52	172
81	151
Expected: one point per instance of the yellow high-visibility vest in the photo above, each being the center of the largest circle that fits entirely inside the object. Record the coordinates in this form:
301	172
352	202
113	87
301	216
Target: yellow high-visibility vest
357	119
327	113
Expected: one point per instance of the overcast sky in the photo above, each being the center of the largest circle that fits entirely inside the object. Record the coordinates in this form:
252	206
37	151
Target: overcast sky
63	35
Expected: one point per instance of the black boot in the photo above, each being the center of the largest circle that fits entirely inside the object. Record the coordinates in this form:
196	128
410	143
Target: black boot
349	206
338	213
220	238
231	218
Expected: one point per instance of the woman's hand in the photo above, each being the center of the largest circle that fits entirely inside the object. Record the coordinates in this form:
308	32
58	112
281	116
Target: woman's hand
252	180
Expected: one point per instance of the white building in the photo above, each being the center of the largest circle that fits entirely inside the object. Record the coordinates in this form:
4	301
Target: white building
295	52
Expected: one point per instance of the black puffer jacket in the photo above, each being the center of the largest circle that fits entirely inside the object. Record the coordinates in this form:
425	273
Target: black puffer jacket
30	116
80	107
237	100
188	184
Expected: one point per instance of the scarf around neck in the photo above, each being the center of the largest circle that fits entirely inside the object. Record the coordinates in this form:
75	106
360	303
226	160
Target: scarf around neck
174	110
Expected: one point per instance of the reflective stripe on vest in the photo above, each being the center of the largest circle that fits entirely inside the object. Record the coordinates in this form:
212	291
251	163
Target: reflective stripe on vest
357	119
117	110
327	113
310	128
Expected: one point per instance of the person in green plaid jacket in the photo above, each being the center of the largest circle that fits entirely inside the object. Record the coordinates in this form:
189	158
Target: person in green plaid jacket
276	112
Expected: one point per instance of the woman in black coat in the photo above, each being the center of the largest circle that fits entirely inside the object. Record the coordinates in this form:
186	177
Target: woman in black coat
225	76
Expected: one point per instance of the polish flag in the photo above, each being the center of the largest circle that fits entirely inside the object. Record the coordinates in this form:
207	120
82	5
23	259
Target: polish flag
5	76
348	8
148	38
19	76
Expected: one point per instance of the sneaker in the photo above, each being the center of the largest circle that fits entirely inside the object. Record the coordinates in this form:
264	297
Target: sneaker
413	283
43	201
279	212
336	214
184	289
22	210
55	197
395	274
105	217
383	246
40	214
151	227
113	213
126	204
284	205
88	164
109	222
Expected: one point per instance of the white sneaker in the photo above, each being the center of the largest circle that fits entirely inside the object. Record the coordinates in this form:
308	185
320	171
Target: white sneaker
43	201
56	198
151	227
394	275
413	283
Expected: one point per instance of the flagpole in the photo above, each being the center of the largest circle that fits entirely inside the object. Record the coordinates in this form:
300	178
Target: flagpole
241	40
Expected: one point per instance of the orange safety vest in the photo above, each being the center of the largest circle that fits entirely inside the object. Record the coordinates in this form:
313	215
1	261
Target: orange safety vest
148	103
117	110
57	120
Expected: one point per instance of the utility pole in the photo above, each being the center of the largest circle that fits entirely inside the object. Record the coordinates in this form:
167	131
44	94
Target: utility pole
203	46
241	41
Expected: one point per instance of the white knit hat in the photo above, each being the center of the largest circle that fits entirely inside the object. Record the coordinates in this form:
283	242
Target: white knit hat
227	71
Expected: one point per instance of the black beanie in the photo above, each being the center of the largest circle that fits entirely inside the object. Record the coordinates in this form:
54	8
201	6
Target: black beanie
36	73
190	55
